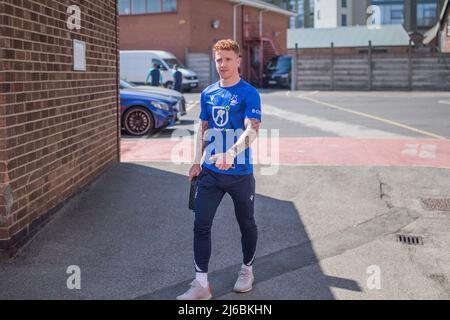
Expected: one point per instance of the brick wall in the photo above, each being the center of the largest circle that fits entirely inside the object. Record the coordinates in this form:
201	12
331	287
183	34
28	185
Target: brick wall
203	12
275	27
190	27
58	127
167	31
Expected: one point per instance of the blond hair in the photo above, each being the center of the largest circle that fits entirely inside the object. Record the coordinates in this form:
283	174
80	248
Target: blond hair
229	45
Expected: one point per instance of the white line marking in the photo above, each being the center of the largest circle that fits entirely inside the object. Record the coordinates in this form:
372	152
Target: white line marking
309	94
443	102
335	127
391	122
192	105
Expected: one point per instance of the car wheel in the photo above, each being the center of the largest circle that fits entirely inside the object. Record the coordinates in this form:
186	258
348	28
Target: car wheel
138	121
169	85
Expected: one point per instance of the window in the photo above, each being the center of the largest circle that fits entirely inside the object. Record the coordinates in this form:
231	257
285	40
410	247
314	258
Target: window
138	6
427	13
172	62
124	7
305	13
396	14
344	3
153	6
391	11
160	64
127	7
169	5
344	20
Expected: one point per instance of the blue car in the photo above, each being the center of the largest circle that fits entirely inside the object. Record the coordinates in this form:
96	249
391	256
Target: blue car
142	112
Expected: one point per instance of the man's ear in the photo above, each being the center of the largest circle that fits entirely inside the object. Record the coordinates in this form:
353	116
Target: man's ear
239	61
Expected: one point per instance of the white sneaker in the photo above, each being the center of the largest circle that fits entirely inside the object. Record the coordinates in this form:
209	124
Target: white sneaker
196	292
244	281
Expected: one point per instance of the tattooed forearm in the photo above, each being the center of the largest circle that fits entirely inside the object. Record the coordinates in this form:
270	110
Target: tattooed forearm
205	127
202	141
248	137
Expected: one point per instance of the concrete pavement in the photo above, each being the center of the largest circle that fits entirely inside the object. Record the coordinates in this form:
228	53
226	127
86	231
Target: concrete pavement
320	229
353	169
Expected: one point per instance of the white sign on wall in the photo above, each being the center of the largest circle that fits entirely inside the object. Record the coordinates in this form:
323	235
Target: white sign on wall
79	47
79	55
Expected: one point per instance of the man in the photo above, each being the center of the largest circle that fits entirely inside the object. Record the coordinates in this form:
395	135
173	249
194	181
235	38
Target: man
230	119
155	74
178	79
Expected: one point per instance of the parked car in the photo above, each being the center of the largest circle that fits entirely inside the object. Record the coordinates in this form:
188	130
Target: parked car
278	72
134	67
180	106
142	112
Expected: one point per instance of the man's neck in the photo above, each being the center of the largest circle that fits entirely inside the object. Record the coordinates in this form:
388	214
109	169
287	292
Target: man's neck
230	82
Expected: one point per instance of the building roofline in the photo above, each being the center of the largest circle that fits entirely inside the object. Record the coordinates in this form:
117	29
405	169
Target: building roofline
348	37
264	6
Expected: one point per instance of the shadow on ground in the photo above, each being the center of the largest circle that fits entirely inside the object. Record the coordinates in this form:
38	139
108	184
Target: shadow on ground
130	232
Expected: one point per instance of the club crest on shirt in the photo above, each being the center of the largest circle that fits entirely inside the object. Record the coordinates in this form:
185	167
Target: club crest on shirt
234	100
220	116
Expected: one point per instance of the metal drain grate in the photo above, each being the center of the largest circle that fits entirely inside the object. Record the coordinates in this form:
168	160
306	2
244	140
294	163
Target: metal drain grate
436	204
409	239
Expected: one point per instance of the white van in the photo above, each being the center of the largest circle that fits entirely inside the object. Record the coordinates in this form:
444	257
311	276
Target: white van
135	65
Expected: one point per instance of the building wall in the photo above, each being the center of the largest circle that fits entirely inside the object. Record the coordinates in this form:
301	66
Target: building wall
196	33
202	13
58	127
162	31
326	14
332	10
348	11
188	28
359	12
275	26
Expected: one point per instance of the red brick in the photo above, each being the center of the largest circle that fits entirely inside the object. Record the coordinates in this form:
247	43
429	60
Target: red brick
170	34
47	110
4	233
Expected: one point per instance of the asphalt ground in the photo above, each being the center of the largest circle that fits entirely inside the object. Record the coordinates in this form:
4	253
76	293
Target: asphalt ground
327	229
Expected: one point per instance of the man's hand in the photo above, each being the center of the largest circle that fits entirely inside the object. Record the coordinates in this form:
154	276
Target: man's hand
223	161
194	171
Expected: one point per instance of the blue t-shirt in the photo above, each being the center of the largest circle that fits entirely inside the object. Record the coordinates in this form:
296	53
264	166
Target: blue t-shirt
226	108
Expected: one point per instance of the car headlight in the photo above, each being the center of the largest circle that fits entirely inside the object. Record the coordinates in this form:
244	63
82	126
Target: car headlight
285	76
161	105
